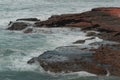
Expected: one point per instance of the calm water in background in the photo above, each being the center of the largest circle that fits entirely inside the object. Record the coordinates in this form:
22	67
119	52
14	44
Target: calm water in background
17	48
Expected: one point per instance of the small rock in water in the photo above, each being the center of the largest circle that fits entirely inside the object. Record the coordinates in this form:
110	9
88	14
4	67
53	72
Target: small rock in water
83	41
28	19
29	30
79	42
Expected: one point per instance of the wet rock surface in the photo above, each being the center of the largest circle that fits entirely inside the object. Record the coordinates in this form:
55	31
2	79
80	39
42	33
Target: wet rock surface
69	59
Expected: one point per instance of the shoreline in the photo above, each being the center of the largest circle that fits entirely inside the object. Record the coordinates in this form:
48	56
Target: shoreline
104	20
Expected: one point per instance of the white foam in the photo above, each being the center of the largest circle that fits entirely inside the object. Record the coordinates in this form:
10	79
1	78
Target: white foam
79	74
61	36
84	73
19	62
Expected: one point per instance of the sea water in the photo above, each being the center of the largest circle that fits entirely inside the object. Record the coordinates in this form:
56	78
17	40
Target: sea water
16	48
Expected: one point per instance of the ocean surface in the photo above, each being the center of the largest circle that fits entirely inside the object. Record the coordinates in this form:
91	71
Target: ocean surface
16	48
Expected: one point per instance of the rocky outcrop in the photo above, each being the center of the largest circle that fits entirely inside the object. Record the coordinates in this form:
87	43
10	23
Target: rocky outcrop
104	20
23	23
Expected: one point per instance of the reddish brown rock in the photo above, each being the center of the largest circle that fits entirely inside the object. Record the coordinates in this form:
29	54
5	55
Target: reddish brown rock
105	20
115	11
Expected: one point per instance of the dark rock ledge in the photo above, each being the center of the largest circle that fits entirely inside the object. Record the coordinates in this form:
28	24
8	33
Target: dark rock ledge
104	60
24	24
